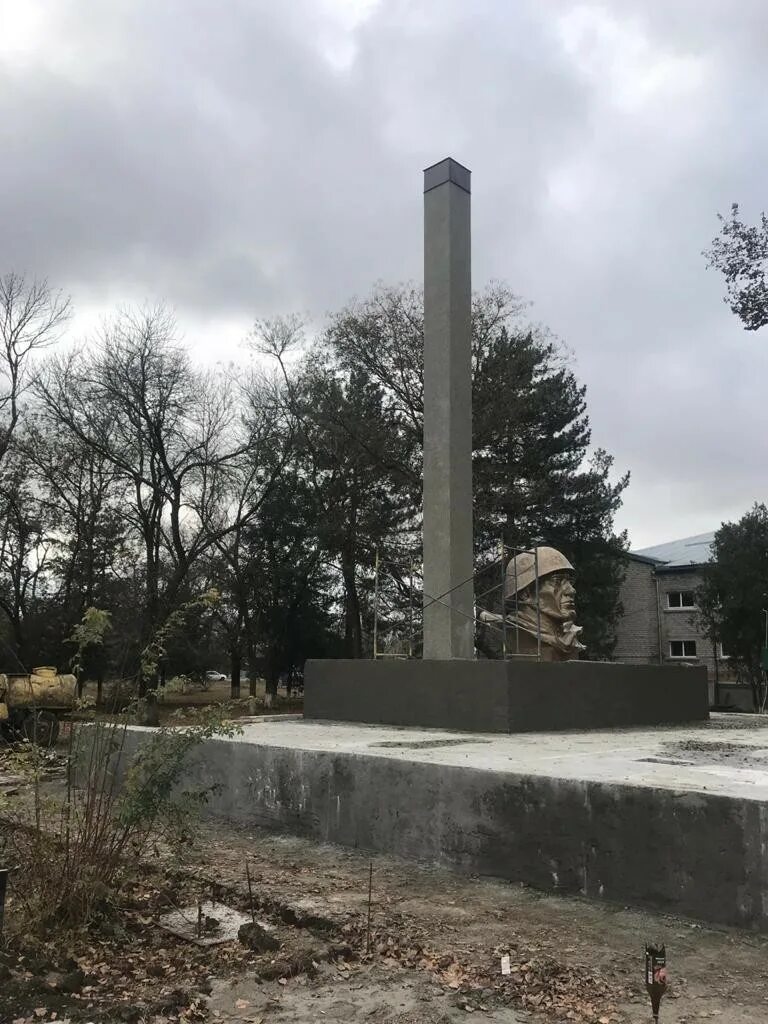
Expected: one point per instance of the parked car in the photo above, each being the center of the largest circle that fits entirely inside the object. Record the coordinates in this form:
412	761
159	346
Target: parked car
211	676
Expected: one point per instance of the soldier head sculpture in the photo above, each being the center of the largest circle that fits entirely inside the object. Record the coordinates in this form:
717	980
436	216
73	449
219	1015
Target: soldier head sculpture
555	611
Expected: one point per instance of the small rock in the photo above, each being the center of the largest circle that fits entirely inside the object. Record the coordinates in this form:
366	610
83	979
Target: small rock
128	1012
341	952
53	982
176	999
301	962
36	965
73	981
253	936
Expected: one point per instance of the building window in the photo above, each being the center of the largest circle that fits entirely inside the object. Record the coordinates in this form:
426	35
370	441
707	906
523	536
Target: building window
722	653
682	648
679	599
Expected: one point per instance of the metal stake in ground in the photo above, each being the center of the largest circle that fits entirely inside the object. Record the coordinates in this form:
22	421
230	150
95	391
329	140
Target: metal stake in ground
3	884
656	976
250	891
370	897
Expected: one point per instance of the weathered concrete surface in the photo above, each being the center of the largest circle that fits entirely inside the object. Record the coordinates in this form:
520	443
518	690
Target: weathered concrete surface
504	696
448	561
620	816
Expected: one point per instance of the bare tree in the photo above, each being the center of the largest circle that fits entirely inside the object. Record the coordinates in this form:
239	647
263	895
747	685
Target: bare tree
80	490
25	546
173	436
253	477
32	317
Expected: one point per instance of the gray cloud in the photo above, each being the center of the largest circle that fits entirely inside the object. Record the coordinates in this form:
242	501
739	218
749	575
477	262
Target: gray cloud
246	158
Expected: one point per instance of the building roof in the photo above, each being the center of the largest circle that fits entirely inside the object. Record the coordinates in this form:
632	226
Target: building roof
679	553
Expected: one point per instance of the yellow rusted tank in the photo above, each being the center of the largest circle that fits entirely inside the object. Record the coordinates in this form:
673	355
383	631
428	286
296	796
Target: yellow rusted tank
32	704
44	688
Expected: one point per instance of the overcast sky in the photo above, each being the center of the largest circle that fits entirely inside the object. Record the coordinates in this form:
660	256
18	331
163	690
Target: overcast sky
240	158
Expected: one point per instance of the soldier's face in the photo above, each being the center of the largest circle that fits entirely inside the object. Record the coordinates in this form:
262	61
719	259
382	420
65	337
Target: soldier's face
557	596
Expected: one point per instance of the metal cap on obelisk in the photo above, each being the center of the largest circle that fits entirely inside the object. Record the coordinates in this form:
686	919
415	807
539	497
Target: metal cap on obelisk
448	559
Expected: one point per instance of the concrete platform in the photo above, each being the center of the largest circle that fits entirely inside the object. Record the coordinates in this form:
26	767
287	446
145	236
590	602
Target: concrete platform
675	818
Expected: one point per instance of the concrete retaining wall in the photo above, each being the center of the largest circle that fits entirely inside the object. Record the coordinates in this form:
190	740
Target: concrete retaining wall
682	853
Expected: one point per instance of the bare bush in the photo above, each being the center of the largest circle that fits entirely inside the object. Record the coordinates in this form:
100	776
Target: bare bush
73	848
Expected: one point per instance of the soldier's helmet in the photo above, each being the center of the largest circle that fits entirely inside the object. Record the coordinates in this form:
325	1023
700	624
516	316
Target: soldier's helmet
521	570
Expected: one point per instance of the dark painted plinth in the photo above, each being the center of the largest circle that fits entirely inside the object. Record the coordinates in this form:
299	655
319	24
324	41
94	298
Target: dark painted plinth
499	696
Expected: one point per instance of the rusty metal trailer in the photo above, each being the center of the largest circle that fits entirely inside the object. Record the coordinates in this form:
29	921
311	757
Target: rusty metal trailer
32	705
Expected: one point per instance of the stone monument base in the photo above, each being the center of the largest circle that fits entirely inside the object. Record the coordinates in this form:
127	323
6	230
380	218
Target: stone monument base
504	696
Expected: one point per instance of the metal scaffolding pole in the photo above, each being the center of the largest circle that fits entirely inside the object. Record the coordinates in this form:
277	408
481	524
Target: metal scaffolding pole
517	612
503	603
410	613
376	606
538	609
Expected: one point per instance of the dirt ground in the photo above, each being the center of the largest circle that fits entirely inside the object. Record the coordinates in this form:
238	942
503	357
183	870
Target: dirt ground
369	994
433	954
715	974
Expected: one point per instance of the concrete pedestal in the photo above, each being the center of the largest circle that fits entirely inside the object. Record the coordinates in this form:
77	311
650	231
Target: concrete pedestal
504	696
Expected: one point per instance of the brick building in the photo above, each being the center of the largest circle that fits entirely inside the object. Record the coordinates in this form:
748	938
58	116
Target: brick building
660	623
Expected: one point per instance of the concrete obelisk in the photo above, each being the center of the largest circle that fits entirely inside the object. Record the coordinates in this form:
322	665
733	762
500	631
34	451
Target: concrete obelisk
448	561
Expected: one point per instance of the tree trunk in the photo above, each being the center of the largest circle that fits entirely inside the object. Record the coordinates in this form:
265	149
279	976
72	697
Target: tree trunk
234	663
353	632
251	667
758	690
270	692
148	713
270	679
99	689
20	642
